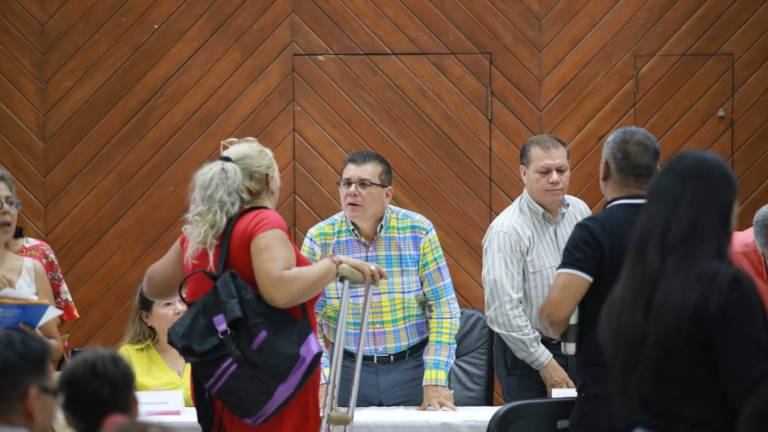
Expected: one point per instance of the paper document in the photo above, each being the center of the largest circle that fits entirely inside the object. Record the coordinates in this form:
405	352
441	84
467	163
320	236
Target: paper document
563	392
34	313
161	402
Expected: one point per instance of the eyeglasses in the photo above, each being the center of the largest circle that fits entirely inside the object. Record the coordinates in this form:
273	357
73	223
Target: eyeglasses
362	185
13	204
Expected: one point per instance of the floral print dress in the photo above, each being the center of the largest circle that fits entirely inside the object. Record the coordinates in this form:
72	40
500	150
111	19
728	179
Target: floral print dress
42	252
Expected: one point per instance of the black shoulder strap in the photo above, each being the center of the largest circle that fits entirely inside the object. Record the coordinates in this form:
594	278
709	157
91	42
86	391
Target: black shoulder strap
227	237
223	252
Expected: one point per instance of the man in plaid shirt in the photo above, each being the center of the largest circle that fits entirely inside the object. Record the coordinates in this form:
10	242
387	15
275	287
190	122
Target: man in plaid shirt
410	342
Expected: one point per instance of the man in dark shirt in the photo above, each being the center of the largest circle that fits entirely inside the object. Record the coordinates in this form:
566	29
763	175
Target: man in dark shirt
591	264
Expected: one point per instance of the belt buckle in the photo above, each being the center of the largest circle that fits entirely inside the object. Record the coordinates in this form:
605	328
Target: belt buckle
391	358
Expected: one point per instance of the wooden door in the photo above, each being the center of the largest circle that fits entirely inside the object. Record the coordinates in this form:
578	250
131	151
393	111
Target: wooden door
686	101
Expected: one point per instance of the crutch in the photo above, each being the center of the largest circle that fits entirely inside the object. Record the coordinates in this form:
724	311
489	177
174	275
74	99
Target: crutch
332	414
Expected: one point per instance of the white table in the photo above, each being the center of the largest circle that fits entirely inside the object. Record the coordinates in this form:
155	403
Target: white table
376	419
408	419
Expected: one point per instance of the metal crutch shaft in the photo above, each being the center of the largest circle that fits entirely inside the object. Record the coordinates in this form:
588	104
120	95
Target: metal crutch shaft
359	356
332	415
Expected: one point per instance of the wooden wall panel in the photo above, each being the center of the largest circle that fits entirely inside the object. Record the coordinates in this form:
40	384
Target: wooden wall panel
107	107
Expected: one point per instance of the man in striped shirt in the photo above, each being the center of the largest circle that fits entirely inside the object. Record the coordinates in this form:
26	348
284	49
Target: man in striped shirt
410	341
521	251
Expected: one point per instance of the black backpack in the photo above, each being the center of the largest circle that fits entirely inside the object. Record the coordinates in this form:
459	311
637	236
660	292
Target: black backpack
251	356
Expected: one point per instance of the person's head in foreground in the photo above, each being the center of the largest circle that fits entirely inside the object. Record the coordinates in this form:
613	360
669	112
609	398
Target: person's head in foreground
27	388
94	385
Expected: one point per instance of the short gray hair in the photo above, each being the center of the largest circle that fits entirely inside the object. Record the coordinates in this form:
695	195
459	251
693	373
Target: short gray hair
7	178
760	223
633	155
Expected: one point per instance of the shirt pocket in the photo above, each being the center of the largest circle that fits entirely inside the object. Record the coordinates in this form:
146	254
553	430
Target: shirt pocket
536	265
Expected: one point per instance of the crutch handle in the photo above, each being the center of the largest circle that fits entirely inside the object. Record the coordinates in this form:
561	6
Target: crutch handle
339	418
351	274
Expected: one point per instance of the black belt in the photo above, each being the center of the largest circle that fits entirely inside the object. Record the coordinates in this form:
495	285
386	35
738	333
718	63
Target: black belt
389	358
548	340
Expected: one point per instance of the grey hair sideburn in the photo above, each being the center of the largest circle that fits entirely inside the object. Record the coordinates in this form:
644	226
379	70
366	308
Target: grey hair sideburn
760	224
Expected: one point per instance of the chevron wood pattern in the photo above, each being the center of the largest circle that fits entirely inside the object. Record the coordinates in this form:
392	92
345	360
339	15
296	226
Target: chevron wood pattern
107	107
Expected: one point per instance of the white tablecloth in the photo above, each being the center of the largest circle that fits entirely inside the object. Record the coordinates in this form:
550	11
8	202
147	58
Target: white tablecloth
377	419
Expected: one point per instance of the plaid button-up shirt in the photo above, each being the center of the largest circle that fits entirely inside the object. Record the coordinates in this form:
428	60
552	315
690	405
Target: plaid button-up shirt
415	302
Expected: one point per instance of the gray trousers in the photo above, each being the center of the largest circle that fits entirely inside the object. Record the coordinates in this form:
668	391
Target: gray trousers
398	383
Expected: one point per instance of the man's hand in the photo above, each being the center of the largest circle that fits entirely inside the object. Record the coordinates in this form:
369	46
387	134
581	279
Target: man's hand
437	397
323	389
555	377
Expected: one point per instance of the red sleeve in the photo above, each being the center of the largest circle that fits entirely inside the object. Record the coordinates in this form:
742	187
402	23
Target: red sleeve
259	221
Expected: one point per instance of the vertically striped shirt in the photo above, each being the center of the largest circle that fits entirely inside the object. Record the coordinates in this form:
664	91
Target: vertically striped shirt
521	251
415	302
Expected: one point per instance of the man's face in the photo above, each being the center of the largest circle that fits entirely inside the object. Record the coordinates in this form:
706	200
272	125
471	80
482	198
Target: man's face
364	206
547	176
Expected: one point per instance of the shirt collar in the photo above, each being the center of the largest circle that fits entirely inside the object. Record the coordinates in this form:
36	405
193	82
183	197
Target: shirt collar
537	209
380	229
628	199
764	260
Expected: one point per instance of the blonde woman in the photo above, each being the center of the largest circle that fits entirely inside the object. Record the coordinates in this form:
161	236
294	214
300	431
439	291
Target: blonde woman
22	273
155	363
261	252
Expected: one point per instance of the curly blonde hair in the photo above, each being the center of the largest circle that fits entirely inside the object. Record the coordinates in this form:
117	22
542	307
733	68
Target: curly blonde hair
220	188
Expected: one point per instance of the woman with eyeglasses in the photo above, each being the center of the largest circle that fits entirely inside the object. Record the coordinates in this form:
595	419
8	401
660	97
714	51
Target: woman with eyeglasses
43	253
155	363
24	274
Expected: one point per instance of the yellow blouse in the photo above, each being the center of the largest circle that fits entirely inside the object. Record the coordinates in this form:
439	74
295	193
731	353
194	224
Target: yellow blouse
152	373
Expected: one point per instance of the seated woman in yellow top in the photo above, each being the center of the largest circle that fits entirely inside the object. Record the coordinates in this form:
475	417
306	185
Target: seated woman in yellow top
155	363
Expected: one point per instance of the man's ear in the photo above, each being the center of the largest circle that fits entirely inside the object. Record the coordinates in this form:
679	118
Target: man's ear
389	192
605	170
523	172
